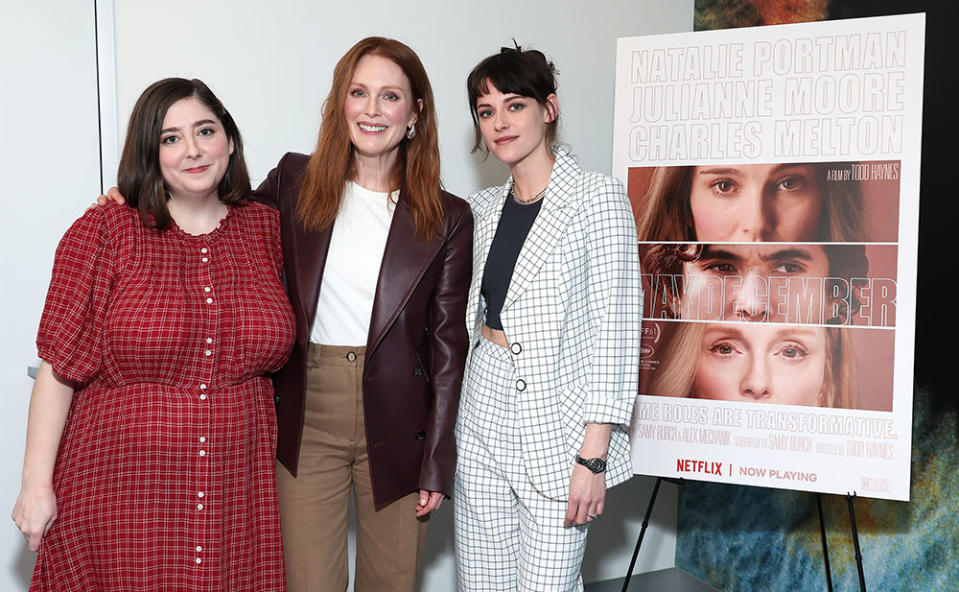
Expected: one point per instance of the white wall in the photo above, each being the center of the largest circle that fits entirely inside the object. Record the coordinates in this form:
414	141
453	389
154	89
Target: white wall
272	63
272	67
49	163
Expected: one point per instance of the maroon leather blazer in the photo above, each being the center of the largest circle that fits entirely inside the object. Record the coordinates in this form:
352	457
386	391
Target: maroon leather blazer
416	348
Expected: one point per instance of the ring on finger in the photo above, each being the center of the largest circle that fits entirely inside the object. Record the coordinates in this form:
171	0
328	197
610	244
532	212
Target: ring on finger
592	516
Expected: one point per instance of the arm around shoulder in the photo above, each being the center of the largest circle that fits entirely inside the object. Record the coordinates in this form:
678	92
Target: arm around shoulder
273	189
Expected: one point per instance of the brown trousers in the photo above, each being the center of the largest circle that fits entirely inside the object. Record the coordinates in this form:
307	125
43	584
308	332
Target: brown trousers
314	505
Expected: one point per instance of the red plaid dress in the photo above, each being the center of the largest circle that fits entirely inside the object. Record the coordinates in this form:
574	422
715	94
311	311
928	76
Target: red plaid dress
165	475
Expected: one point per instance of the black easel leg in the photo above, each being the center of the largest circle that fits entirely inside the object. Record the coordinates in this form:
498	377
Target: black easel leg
855	539
825	547
642	533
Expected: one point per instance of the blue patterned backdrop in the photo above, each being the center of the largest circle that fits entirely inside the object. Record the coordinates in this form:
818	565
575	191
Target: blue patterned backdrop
752	538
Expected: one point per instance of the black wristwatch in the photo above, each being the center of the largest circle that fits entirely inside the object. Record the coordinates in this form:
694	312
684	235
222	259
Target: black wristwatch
596	465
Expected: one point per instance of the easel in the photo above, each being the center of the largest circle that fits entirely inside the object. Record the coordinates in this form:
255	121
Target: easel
822	531
642	531
855	539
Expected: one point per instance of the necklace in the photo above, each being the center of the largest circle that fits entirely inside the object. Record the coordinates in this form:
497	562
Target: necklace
528	200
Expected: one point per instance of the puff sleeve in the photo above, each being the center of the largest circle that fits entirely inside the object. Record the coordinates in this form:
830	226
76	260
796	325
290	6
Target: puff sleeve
70	337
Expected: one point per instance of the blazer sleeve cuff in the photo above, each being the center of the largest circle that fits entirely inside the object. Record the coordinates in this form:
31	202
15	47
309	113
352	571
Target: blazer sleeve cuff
433	480
609	411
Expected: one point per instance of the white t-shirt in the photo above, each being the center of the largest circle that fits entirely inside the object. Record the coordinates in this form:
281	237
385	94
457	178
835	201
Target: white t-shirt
345	304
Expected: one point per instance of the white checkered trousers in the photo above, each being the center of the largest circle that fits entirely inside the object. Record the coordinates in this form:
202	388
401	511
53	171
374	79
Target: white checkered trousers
509	536
572	317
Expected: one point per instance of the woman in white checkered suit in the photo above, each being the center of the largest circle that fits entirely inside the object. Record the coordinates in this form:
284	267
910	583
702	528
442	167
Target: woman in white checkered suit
554	319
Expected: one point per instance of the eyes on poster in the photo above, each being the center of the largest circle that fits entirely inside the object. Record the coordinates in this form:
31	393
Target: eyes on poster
774	176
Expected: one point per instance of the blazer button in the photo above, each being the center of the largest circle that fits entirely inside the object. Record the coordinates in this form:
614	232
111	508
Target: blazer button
521	385
276	399
516	348
418	371
420	435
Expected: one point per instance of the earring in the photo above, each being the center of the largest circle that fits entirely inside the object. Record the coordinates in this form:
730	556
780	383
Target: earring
411	132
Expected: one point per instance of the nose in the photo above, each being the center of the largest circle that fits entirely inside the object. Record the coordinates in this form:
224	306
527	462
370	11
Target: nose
372	107
753	222
751	299
756	382
192	146
500	120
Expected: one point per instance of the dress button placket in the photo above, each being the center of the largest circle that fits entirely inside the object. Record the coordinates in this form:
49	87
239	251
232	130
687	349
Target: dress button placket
209	314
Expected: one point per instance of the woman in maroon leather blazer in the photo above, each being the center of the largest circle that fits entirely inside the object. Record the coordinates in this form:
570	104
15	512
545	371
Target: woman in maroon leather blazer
396	450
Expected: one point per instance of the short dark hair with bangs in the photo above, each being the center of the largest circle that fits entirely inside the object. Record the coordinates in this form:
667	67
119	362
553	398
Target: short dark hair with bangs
514	70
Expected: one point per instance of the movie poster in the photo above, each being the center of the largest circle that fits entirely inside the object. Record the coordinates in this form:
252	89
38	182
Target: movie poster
774	176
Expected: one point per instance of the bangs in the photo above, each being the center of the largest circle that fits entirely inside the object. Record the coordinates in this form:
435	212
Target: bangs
512	71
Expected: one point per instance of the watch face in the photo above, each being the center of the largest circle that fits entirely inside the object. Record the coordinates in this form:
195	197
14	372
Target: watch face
596	465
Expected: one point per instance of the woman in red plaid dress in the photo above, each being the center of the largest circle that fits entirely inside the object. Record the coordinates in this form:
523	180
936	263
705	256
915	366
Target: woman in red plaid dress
151	435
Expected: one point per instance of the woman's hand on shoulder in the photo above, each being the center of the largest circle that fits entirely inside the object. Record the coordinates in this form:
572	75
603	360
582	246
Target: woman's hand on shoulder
113	195
34	513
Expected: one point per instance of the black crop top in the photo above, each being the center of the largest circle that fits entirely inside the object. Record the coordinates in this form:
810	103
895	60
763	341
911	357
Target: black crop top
514	224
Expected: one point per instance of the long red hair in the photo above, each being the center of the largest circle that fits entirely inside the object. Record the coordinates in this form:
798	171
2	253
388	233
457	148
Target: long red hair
417	170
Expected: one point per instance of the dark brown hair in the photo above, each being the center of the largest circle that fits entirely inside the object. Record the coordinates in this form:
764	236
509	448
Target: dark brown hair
139	177
514	70
417	169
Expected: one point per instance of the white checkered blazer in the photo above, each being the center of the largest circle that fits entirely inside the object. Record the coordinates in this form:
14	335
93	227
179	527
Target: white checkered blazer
573	318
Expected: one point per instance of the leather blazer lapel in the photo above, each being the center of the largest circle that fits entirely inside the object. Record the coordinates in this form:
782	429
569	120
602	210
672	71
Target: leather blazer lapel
311	249
405	259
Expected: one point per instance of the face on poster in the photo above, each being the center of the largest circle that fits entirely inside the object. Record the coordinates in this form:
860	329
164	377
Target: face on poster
773	173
